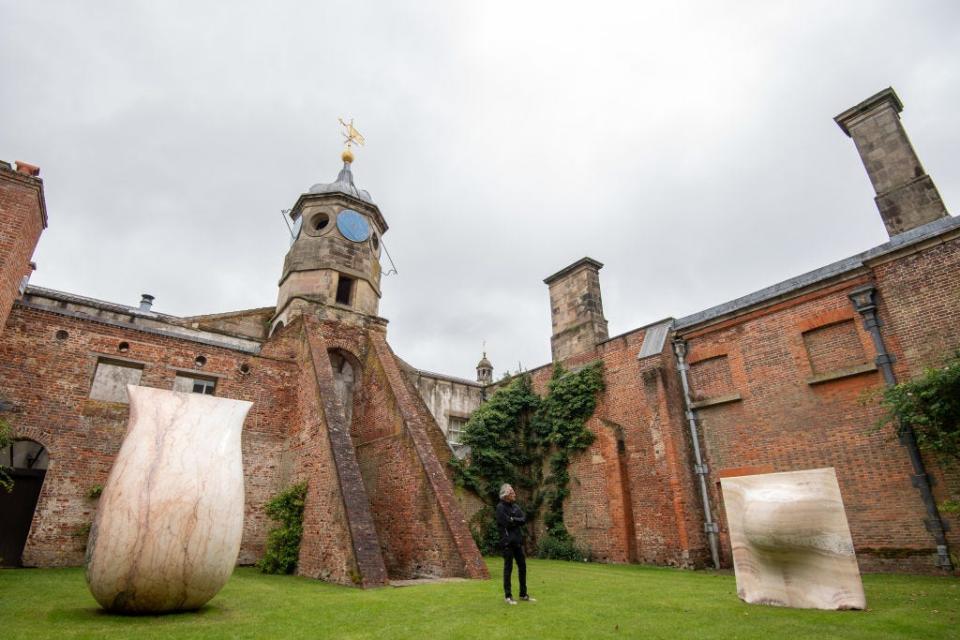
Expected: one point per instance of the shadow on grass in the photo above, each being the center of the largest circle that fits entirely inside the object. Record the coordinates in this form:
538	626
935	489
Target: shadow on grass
98	614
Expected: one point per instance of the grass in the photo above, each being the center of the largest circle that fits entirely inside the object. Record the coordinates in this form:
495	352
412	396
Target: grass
575	601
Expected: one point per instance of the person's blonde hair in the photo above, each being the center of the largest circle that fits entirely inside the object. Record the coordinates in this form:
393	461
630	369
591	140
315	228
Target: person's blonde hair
504	490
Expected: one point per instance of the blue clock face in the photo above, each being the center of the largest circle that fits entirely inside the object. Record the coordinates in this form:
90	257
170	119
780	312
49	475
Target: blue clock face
353	226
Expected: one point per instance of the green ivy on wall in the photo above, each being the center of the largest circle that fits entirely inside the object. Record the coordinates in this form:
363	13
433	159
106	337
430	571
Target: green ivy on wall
513	435
930	404
283	541
571	400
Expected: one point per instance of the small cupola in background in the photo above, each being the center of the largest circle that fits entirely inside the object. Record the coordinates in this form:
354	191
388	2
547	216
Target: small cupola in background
484	370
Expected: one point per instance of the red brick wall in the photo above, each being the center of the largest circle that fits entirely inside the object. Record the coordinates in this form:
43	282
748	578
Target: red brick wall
335	526
919	299
295	431
785	423
422	530
639	500
48	381
21	222
633	501
834	347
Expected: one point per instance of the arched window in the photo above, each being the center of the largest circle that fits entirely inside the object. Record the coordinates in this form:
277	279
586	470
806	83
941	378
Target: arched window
24	455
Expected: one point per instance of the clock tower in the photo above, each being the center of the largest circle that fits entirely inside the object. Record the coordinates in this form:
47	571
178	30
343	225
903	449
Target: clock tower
334	258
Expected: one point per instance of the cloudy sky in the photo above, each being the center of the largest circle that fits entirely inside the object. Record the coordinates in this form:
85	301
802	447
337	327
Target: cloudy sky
688	146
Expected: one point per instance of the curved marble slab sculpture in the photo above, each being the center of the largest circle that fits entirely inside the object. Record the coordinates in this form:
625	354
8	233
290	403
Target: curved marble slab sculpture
791	542
169	522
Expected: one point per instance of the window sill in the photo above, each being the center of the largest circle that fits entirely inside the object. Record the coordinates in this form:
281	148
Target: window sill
715	401
839	374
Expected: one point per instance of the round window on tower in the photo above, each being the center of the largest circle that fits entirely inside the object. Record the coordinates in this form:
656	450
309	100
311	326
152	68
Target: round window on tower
320	221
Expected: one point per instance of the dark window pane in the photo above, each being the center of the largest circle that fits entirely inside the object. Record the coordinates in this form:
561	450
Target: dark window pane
205	387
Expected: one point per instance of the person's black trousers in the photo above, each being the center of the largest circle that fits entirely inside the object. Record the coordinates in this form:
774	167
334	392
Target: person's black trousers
511	552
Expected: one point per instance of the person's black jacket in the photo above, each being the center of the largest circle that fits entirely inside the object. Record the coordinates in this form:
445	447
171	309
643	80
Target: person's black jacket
510	519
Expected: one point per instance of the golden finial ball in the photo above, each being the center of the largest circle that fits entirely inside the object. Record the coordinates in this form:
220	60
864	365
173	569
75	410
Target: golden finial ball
347	155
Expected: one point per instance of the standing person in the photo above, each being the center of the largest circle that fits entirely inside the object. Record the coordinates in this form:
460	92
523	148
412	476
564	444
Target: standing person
510	519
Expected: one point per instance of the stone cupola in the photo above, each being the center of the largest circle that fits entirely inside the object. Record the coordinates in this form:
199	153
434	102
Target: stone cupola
484	370
334	258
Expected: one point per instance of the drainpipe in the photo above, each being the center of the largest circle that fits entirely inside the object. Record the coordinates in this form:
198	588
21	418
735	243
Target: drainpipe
699	468
864	302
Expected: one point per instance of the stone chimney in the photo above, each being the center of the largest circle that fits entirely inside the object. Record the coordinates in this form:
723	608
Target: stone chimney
576	309
906	196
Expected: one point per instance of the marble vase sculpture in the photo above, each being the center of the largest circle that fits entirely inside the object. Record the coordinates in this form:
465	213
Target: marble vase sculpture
791	542
170	518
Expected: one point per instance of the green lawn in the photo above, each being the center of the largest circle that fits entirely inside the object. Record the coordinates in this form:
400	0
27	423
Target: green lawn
575	601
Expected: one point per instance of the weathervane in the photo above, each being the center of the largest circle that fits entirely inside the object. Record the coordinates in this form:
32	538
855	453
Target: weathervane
350	135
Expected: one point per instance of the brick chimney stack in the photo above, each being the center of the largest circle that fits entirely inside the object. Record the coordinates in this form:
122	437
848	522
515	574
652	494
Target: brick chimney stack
23	217
576	309
906	196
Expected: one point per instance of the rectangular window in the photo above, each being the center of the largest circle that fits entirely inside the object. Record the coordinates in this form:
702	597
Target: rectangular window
190	383
111	379
455	426
344	289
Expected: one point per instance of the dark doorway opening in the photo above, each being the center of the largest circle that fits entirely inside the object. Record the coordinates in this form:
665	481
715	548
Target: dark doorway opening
344	289
26	461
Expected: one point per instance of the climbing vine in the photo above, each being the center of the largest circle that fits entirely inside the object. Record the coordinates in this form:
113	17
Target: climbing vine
513	436
571	400
929	403
283	541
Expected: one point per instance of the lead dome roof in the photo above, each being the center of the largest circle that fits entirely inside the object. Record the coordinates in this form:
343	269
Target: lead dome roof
343	184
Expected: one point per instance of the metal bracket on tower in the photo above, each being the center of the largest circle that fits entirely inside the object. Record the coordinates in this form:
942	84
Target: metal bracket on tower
711	527
701	469
884	358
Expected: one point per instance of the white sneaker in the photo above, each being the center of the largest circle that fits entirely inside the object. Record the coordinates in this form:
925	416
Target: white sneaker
510	601
528	599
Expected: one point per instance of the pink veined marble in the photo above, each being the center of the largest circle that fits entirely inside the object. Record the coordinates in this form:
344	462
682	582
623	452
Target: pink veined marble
170	518
791	542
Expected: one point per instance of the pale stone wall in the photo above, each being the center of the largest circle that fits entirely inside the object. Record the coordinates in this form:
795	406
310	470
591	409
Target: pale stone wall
447	396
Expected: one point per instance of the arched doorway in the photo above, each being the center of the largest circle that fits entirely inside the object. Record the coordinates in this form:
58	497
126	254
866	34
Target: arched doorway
26	462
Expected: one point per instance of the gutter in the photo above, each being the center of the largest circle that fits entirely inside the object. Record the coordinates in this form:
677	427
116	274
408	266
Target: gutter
864	302
700	469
